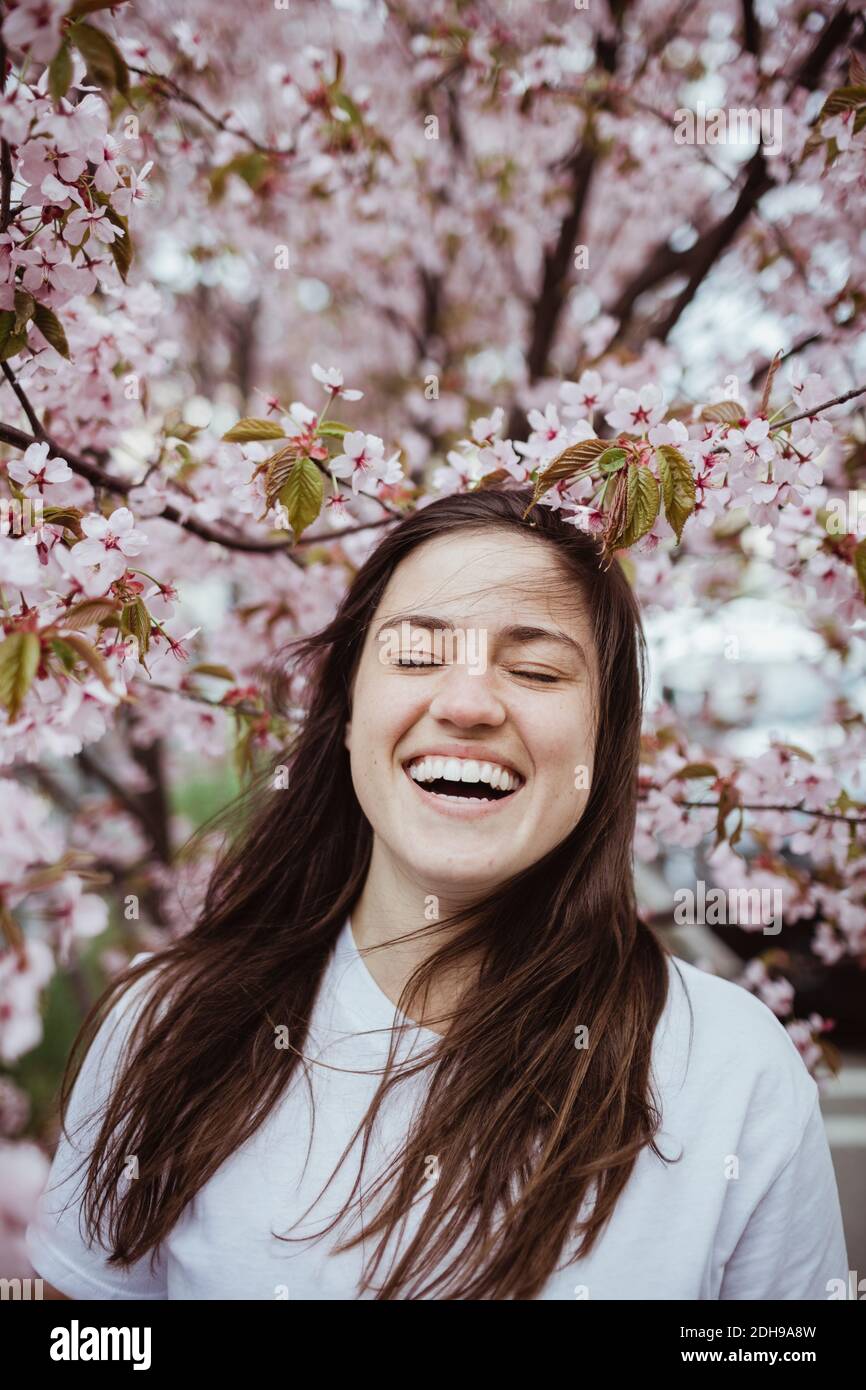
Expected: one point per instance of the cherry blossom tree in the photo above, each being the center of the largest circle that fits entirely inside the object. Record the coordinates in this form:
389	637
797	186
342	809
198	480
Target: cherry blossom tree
273	278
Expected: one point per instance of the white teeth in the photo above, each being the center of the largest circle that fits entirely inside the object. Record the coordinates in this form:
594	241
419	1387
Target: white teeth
434	768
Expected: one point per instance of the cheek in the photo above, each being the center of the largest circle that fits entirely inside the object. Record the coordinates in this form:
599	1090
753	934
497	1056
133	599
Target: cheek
563	754
381	715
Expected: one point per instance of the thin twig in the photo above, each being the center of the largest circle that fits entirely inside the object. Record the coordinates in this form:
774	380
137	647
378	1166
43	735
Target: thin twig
804	810
816	409
171	89
35	423
5	156
98	477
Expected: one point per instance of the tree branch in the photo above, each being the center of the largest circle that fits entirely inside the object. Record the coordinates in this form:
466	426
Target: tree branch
751	28
708	249
816	409
700	259
98	477
169	88
832	36
803	810
5	156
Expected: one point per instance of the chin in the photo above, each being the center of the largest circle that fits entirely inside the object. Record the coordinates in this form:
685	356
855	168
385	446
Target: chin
459	877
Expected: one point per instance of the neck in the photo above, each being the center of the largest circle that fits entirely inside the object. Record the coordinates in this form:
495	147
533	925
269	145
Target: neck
391	905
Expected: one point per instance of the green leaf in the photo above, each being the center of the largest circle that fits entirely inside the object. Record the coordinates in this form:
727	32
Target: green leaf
25	308
67	517
571	463
843	99
104	60
491	479
51	328
251	167
724	413
80	7
796	750
10	342
183	430
691	770
678	487
611	460
92	659
207	668
860	564
121	247
91	610
729	800
334	429
280	465
19	661
346	104
13	325
642	505
65	653
60	72
249	430
136	621
302	494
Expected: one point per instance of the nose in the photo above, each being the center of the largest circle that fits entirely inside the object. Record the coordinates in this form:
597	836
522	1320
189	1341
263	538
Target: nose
465	697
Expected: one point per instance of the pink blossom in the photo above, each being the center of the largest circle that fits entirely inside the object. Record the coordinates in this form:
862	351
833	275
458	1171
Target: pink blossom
82	220
34	25
114	533
753	443
581	398
336	510
364	462
35	469
134	190
19	563
634	412
332	379
24	1170
484	430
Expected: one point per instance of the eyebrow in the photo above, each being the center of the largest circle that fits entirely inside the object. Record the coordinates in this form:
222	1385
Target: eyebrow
515	632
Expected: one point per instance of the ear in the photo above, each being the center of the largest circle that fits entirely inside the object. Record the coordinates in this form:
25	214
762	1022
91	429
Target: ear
347	736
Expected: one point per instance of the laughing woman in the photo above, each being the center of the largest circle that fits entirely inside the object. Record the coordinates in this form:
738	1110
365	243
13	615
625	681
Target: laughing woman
419	1043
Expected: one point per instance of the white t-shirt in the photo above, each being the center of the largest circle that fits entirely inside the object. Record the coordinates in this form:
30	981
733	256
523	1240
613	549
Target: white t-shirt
750	1211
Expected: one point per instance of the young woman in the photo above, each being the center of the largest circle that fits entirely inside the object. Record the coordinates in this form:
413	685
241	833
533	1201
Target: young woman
419	1043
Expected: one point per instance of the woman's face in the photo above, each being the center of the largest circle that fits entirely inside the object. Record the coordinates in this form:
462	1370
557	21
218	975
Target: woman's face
507	683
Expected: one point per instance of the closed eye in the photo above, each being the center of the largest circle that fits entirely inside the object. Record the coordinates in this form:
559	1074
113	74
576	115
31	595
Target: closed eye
530	675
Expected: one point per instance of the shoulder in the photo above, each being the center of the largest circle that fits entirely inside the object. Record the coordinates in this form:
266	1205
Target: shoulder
716	1036
134	993
108	1044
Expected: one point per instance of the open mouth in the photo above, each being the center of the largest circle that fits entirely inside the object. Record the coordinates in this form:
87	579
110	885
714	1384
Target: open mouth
482	789
464	791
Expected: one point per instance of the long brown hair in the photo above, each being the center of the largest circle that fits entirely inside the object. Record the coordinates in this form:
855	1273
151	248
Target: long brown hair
525	1125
